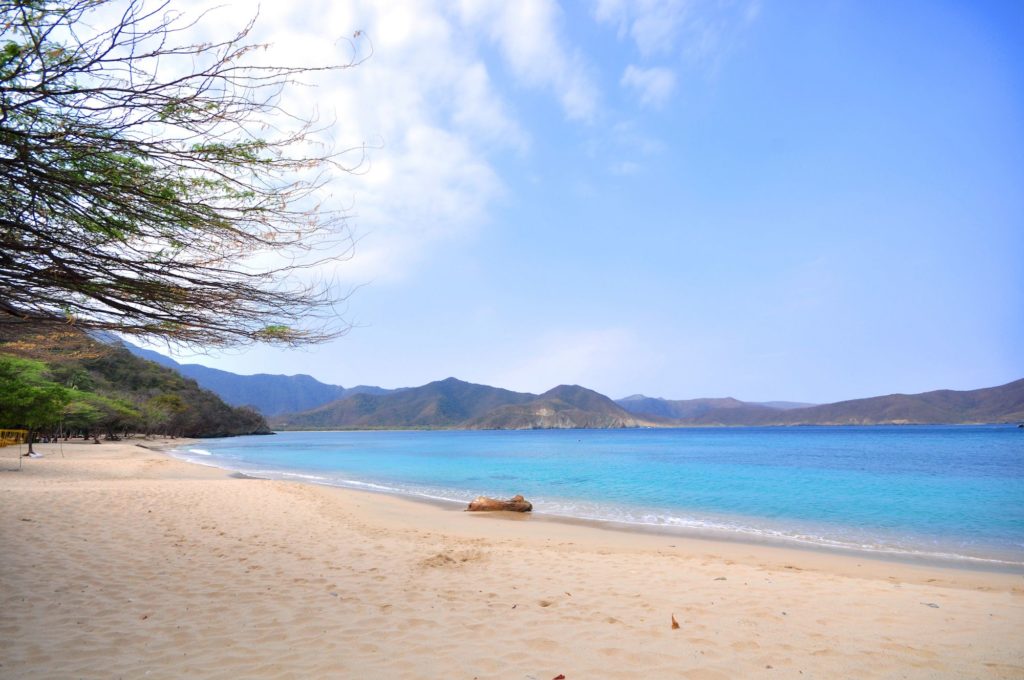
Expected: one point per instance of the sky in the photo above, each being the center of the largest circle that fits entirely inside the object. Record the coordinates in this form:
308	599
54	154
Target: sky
682	198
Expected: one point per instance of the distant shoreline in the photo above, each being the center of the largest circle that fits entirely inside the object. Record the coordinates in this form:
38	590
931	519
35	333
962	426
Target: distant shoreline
1009	423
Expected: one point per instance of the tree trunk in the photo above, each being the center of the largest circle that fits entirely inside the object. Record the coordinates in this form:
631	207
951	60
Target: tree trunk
514	504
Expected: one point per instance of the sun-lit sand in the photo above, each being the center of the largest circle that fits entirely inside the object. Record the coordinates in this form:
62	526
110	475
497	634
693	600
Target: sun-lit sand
117	561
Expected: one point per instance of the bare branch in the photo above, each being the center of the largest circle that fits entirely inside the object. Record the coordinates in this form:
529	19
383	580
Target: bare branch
144	172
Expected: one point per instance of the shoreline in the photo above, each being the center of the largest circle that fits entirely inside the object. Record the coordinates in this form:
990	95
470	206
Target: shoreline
836	560
839	559
674	426
121	560
710	534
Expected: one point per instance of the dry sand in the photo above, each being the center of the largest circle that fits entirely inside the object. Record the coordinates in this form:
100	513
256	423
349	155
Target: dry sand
116	561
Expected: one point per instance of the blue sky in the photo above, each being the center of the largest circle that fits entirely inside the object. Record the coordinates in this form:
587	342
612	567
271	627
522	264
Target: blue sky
766	200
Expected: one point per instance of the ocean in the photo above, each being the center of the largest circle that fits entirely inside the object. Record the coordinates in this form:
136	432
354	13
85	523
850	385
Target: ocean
936	493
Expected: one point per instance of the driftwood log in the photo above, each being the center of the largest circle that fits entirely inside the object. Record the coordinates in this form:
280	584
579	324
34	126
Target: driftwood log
514	504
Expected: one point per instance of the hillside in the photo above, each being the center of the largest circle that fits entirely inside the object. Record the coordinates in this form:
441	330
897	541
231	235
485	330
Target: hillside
782	405
444	403
454	403
692	409
114	391
202	413
565	406
1003	404
269	394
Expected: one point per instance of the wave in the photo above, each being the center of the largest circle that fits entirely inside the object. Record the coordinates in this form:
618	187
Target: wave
692	526
709	528
650	520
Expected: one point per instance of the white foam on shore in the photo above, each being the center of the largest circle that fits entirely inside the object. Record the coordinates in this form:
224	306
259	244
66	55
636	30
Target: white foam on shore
732	530
701	527
293	475
620	516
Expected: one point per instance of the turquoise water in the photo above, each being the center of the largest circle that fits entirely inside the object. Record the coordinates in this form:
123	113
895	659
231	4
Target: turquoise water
954	492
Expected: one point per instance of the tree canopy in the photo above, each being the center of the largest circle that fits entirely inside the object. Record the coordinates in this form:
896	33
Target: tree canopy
144	174
27	398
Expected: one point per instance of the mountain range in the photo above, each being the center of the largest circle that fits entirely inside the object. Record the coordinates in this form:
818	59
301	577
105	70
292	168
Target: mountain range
988	405
269	394
452	403
302	402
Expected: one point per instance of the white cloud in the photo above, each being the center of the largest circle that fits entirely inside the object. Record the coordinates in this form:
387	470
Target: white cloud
652	24
480	112
431	185
531	41
428	105
653	85
656	24
699	30
610	11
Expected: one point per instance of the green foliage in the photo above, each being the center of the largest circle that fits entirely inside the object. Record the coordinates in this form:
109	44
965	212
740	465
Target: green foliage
276	332
72	376
155	399
113	391
112	413
80	415
27	398
160	411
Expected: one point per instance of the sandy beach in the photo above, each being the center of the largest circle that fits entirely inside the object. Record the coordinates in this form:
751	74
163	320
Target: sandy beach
118	561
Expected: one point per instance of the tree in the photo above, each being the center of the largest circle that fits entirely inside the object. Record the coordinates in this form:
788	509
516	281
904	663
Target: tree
27	398
79	416
142	173
114	414
157	412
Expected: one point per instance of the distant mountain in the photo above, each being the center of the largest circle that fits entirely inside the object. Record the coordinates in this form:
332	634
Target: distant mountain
566	406
444	403
988	405
269	394
453	403
300	401
686	409
782	405
1003	404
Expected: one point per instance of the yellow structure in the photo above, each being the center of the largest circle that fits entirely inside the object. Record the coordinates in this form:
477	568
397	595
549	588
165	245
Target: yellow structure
11	437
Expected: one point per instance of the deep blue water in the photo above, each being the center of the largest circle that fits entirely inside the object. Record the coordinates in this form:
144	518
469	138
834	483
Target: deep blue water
954	491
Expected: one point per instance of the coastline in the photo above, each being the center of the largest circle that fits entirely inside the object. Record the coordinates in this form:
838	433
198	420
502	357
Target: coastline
719	541
123	560
656	426
680	533
952	543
